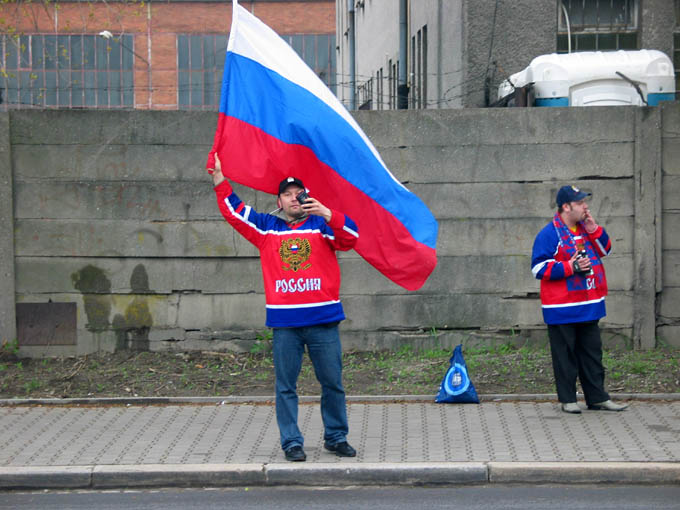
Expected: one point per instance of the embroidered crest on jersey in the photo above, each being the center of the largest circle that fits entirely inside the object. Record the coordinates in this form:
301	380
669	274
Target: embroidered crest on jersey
294	253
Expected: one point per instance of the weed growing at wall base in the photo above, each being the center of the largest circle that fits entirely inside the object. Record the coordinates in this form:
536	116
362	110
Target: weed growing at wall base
503	369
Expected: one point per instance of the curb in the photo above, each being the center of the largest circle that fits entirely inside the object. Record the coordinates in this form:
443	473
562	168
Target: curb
540	397
338	474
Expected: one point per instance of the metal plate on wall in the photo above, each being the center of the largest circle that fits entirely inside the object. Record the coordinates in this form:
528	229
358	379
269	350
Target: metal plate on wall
46	323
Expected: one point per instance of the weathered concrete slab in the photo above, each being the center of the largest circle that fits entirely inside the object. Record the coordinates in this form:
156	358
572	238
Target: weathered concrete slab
515	236
218	312
111	162
7	278
167	201
102	127
460	311
669	334
99	312
472	126
671	156
519	162
115	213
671	227
129	238
38	275
670	112
436	338
671	270
508	274
669	308
670	192
525	200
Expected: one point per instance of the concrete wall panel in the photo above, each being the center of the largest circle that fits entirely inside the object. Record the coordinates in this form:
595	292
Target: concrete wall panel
515	235
7	277
111	162
114	211
670	194
156	201
103	127
580	127
129	238
47	275
671	269
521	200
512	162
671	227
669	309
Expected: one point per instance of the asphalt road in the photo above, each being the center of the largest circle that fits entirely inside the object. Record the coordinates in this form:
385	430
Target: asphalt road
378	498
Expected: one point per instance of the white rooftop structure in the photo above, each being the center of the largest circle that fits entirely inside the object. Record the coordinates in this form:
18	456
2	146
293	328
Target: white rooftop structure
597	78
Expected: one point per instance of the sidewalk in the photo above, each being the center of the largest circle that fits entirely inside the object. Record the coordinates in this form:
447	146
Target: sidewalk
400	440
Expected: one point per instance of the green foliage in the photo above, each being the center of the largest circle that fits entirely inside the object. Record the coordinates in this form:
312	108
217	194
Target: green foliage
10	347
263	342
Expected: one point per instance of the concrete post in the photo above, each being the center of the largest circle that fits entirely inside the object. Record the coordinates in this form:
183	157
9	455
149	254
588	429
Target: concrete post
8	330
647	235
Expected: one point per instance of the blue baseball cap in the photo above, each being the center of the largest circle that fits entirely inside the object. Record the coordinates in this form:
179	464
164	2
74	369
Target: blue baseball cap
568	194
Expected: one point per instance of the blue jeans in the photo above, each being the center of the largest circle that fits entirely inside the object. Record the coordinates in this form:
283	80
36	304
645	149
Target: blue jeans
323	346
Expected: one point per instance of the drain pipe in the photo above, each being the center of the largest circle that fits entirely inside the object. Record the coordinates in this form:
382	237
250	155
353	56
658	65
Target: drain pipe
352	57
402	89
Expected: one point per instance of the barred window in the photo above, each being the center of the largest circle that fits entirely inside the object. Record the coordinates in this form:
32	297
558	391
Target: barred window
598	25
67	71
200	64
365	92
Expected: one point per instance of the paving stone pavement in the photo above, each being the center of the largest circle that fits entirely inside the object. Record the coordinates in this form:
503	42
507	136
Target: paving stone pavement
382	432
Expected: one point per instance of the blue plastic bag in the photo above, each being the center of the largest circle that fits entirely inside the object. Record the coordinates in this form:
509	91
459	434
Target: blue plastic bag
456	387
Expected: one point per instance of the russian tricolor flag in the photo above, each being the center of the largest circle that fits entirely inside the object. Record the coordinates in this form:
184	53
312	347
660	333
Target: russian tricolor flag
278	119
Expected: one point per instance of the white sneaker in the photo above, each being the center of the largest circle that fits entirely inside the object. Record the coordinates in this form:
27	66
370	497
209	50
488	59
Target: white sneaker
571	408
607	405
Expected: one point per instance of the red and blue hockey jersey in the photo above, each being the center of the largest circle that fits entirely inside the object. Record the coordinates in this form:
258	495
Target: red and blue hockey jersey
299	264
568	297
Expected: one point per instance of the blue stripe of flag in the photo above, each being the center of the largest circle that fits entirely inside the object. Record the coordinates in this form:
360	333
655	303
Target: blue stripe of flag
294	115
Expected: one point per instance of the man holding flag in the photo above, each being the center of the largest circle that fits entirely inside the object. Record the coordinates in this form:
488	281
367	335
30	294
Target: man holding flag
302	288
279	126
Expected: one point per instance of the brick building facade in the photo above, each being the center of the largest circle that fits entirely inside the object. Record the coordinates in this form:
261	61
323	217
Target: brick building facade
147	55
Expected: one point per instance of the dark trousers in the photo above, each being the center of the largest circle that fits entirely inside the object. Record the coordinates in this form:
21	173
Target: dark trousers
577	350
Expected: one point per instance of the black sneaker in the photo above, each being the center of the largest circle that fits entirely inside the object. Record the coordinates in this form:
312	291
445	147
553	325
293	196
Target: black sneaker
342	449
296	454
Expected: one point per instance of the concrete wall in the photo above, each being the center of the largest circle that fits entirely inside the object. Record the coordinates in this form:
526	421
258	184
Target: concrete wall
668	300
7	318
114	212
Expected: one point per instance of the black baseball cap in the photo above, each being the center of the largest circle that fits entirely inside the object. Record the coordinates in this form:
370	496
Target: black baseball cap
289	181
568	194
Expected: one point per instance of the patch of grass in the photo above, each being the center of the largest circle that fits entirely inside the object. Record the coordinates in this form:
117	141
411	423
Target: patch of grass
32	385
263	342
496	369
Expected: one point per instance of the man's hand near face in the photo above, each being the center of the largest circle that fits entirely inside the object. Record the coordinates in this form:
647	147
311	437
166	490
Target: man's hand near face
313	206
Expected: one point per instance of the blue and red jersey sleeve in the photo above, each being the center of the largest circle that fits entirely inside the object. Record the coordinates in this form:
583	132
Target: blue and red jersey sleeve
345	231
600	241
248	222
545	264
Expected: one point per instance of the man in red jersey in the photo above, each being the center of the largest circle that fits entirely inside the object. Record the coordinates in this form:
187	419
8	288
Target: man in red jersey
302	287
566	258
